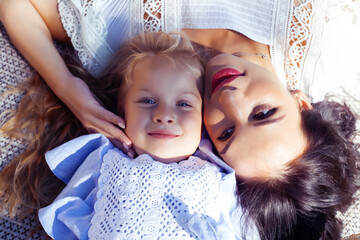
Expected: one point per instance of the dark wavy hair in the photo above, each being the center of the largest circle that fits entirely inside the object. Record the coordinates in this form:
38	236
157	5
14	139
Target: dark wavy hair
302	203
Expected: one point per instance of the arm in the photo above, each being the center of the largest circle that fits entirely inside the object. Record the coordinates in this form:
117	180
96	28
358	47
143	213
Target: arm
29	33
31	25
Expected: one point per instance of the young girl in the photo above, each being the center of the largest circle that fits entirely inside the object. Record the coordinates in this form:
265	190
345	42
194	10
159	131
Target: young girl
164	193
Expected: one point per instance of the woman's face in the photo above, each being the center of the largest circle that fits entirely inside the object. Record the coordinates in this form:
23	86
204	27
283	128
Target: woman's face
252	119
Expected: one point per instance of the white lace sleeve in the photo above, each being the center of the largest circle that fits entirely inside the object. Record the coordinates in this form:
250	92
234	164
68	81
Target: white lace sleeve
87	24
338	64
154	15
314	46
296	41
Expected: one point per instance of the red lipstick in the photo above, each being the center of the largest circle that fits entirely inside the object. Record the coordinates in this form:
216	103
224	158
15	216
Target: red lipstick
224	76
162	134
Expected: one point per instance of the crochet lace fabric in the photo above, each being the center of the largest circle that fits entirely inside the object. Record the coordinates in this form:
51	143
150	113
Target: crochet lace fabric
154	15
295	25
85	44
145	199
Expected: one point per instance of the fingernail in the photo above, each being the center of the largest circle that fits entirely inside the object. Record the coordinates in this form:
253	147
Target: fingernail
130	155
126	146
121	125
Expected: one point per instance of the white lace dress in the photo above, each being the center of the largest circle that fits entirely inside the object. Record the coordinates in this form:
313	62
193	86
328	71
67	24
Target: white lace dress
110	196
97	28
302	50
291	28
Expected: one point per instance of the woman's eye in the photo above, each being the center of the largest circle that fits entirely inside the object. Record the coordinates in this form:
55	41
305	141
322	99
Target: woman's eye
183	104
263	114
147	101
226	134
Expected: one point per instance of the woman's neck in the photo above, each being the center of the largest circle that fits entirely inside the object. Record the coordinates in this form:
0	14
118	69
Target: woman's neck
210	42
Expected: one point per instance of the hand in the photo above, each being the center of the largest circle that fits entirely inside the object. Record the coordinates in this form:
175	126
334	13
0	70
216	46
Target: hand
94	117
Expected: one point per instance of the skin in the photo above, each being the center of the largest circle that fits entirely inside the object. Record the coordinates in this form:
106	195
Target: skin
32	26
163	110
253	121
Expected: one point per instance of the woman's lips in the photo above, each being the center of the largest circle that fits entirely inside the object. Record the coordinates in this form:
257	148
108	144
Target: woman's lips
224	76
161	134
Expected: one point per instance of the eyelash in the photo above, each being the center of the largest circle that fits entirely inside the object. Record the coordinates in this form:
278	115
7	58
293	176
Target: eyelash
152	101
226	134
258	116
263	114
147	101
183	104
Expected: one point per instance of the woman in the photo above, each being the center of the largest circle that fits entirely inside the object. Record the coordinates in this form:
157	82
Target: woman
295	165
268	28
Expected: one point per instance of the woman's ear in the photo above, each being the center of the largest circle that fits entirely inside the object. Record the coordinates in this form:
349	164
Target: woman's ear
302	99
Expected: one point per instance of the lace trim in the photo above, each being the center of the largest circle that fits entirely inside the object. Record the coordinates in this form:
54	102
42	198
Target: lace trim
87	32
281	16
144	199
299	29
154	15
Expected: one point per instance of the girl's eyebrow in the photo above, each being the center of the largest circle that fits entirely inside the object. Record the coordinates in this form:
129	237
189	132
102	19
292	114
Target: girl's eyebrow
198	96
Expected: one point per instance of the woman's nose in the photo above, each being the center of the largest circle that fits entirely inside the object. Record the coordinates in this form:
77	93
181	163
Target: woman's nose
233	103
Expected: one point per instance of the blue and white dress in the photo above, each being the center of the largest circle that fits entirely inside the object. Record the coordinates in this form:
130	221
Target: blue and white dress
110	196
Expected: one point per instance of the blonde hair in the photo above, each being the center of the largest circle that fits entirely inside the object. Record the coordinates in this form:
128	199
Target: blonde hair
174	47
43	122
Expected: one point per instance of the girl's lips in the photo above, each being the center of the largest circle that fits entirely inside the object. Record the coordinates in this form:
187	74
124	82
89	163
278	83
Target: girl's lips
224	76
161	134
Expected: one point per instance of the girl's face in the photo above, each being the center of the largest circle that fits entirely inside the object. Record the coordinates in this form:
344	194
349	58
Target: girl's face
163	110
253	121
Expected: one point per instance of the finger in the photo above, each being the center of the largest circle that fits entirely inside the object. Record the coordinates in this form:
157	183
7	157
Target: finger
111	117
108	129
120	135
123	147
118	144
117	133
131	153
122	142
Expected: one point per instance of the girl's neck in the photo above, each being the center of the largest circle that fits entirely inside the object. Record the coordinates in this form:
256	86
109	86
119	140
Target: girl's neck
210	42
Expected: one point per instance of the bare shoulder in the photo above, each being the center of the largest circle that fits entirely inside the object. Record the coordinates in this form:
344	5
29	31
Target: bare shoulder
48	10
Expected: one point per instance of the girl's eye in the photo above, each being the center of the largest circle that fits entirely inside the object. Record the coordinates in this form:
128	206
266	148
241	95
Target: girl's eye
183	104
226	134
147	101
263	114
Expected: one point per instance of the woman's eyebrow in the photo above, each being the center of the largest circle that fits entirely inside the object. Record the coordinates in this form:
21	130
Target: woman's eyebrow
227	145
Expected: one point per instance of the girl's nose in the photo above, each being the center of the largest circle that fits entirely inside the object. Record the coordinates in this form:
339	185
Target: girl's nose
163	115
